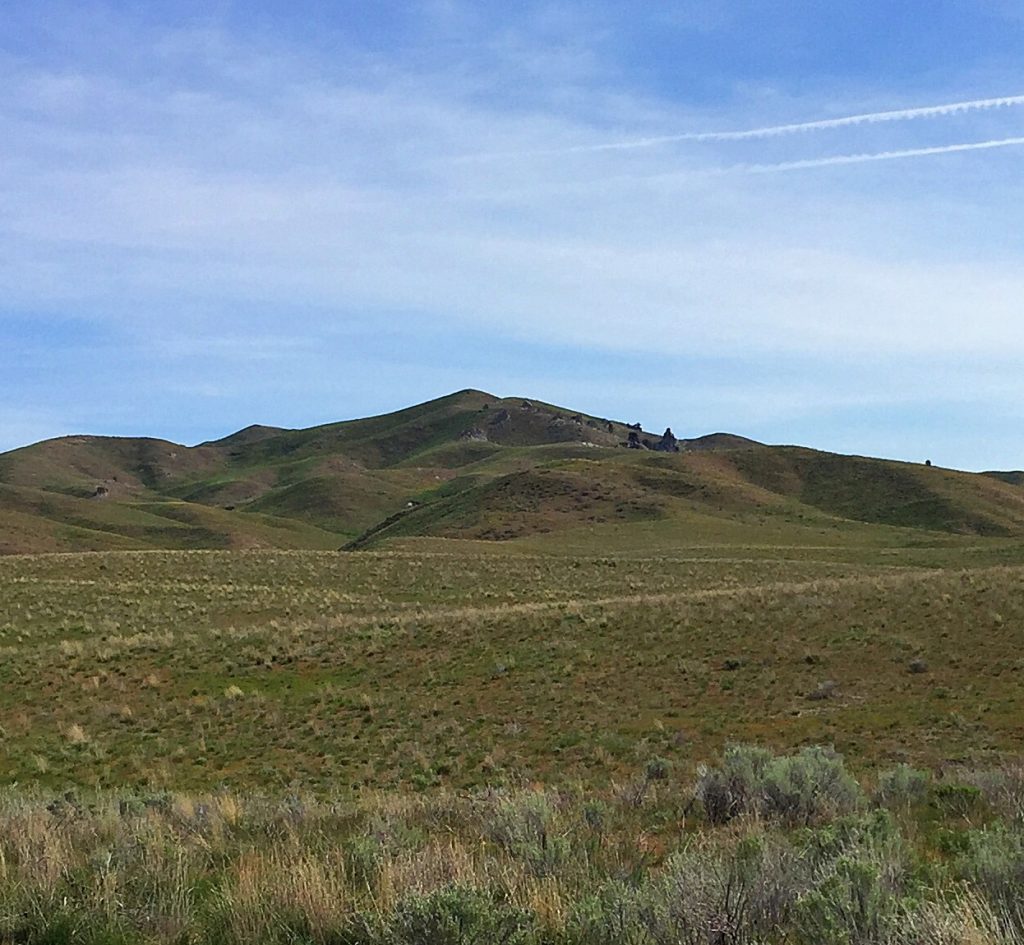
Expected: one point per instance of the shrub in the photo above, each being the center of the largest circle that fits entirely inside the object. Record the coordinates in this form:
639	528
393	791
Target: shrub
657	769
740	895
861	881
1003	788
735	787
797	789
458	915
851	906
994	865
903	786
525	826
611	916
957	800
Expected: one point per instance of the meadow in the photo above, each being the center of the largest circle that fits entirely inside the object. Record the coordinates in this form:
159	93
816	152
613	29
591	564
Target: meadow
463	668
529	742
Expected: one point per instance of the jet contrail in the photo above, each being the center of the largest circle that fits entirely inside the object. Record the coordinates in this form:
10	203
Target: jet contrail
840	159
770	131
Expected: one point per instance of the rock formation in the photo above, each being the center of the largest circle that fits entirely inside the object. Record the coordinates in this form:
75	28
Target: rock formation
668	442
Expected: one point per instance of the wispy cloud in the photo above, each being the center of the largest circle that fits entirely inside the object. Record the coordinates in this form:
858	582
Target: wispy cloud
773	131
838	160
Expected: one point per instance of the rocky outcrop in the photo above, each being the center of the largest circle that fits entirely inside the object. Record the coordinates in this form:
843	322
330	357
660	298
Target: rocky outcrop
473	434
668	443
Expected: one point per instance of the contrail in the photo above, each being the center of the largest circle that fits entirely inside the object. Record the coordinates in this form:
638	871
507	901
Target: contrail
874	156
770	131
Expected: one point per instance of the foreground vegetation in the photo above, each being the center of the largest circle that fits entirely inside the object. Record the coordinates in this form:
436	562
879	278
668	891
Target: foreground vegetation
758	849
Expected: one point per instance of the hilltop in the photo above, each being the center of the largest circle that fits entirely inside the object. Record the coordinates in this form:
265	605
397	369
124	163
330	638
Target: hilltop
469	466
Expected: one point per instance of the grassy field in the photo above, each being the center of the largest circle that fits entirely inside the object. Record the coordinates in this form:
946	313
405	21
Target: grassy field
461	664
524	742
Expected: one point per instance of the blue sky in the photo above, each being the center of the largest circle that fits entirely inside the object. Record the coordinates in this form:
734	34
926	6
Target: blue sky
214	214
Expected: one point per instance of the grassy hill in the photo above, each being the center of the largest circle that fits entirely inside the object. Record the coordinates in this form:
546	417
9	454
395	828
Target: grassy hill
471	466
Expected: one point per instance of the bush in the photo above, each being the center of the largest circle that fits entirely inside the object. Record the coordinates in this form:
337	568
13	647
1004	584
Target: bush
1003	788
741	895
611	916
851	906
957	800
861	882
525	827
903	786
994	865
796	789
458	915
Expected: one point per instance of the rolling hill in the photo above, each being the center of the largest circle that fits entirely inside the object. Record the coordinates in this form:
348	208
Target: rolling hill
468	466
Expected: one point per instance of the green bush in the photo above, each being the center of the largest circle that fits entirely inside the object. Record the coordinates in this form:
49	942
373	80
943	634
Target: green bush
958	800
741	895
851	906
862	880
525	826
902	787
611	916
458	915
796	789
993	864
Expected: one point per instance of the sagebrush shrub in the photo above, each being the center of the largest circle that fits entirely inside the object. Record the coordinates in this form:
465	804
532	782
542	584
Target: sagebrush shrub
796	789
903	786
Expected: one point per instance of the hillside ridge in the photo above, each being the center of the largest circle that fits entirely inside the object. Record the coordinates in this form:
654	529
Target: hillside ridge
468	465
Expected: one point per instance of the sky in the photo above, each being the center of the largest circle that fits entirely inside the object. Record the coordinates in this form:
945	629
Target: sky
799	221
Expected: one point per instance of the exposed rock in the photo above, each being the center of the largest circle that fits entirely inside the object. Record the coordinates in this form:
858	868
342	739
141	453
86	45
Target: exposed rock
474	434
633	442
500	417
102	492
668	442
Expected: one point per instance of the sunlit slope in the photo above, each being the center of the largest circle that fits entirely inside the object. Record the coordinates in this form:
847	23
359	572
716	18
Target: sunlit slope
754	487
35	521
469	466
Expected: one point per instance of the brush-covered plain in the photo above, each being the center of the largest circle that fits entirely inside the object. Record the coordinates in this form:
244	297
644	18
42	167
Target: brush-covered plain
462	665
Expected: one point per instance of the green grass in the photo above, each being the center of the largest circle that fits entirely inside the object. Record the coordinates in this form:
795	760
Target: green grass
463	664
543	470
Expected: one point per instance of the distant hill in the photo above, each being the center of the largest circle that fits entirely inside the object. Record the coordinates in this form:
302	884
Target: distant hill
469	465
1014	478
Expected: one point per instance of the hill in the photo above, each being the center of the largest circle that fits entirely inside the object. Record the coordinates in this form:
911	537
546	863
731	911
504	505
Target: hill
472	466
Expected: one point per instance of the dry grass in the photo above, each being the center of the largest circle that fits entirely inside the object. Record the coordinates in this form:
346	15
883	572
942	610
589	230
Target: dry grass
534	867
420	670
